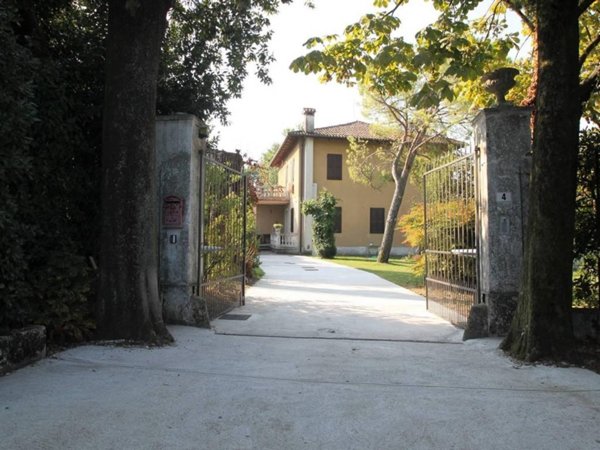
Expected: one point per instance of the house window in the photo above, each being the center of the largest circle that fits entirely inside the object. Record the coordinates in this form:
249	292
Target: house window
334	167
337	224
377	220
292	220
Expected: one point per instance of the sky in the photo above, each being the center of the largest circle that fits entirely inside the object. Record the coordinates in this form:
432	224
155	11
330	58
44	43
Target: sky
260	116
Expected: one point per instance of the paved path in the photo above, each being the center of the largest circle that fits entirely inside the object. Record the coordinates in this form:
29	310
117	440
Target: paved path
302	296
212	391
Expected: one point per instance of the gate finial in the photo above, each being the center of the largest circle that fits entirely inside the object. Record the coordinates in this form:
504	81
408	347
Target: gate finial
499	82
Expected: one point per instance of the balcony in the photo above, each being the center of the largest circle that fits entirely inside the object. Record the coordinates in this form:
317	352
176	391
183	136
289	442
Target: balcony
272	195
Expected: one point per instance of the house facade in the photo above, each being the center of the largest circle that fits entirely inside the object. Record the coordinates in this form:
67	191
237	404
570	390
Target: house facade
314	159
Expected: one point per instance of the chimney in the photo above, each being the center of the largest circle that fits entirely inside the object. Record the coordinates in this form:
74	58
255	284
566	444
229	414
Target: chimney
309	120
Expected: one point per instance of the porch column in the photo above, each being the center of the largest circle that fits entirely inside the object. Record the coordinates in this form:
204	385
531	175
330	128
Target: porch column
309	191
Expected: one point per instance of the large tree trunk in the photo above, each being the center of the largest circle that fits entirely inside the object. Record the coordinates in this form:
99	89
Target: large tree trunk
129	305
542	323
400	181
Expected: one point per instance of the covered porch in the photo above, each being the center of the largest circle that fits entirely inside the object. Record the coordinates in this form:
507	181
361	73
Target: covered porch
273	221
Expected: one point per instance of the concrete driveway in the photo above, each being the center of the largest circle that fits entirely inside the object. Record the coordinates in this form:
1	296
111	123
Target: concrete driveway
300	296
214	391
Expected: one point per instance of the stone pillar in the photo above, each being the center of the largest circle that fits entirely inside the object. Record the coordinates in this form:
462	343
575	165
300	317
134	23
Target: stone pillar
502	138
178	150
306	246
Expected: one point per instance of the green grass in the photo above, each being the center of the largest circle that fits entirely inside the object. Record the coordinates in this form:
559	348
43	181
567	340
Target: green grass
398	270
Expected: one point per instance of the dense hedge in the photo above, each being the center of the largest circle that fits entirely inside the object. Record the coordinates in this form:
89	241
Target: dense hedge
50	102
586	286
17	116
51	92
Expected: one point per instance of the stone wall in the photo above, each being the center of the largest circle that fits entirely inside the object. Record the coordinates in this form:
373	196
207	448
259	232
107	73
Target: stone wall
22	347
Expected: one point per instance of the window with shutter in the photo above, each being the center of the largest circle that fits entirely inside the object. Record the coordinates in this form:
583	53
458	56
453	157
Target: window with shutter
334	167
377	220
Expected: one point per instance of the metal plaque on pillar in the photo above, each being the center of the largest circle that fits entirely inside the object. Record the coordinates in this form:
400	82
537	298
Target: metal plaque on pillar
172	212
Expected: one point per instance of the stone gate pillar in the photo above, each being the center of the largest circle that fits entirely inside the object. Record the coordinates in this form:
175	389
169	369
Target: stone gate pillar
178	151
502	139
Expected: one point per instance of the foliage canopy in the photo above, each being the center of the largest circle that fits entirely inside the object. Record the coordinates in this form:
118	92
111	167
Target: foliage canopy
52	62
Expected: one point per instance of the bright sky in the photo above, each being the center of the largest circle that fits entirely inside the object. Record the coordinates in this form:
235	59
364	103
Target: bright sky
258	118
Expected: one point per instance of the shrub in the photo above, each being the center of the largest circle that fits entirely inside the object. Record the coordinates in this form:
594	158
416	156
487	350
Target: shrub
323	211
586	288
50	128
412	225
17	117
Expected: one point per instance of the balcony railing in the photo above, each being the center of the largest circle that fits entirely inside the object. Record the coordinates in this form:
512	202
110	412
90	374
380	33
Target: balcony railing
272	194
284	241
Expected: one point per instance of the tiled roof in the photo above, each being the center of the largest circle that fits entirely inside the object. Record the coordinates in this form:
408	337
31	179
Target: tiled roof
357	129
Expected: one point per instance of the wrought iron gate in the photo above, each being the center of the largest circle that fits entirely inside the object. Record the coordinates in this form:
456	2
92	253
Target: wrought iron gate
222	250
451	238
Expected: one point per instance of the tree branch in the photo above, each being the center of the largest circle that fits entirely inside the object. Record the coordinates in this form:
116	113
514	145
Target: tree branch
491	21
395	112
394	9
589	50
589	85
526	20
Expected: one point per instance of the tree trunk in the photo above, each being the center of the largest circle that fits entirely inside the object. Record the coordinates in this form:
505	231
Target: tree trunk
129	305
400	181
542	324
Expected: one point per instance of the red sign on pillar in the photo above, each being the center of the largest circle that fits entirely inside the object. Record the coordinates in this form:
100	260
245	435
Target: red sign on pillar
172	216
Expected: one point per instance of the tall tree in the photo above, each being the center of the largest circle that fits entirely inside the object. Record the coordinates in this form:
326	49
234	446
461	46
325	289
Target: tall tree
129	305
412	133
208	49
542	323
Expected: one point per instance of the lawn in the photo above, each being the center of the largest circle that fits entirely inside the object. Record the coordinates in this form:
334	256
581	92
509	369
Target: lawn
398	270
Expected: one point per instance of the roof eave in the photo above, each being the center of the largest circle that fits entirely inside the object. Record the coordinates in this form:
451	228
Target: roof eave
284	149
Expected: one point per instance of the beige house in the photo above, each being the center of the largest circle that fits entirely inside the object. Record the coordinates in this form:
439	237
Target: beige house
314	159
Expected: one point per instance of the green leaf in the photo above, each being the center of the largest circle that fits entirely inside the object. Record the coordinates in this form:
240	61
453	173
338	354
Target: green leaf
425	98
422	59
